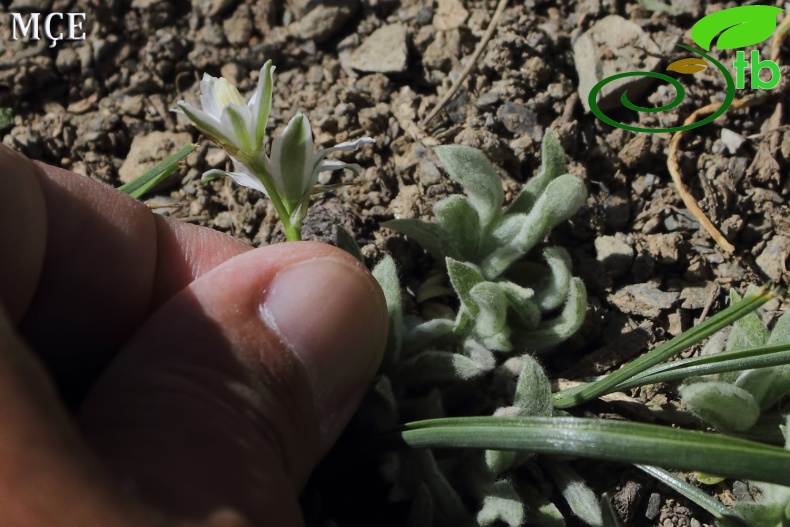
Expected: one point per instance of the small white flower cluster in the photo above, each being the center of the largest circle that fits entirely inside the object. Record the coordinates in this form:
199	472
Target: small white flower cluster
288	174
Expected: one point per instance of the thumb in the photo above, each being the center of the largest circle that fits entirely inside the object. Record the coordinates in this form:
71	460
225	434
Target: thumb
222	403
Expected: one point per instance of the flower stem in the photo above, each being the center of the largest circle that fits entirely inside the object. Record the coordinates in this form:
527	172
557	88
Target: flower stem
293	233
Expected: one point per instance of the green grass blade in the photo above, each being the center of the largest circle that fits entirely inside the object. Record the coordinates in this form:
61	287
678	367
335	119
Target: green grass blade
578	395
156	174
727	517
741	360
607	440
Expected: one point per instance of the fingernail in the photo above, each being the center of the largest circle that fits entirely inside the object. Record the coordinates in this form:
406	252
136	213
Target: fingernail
332	315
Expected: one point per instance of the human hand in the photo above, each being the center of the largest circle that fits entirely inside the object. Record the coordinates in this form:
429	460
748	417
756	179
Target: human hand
216	374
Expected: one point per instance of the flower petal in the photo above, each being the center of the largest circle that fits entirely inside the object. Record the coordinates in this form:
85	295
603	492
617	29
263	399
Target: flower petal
261	102
333	164
208	97
237	117
207	123
245	179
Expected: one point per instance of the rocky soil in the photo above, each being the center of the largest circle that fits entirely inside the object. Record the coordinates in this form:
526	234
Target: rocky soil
101	107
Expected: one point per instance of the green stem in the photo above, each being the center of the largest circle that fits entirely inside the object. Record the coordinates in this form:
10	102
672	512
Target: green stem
293	233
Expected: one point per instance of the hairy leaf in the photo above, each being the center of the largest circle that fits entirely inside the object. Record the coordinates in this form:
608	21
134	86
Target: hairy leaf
721	404
479	177
439	367
533	390
581	499
552	166
520	300
491	302
501	503
554	290
426	332
387	276
557	330
463	277
345	240
431	236
461	221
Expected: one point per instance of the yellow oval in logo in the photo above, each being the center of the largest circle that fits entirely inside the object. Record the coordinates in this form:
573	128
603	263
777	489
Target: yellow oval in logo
690	65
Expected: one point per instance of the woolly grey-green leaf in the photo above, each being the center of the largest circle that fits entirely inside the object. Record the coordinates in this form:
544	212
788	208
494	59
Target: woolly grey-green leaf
553	291
501	503
721	404
491	317
481	355
461	221
463	277
431	236
439	367
479	177
540	512
520	300
343	239
387	276
580	498
533	390
426	332
561	199
781	332
552	166
553	332
765	384
747	332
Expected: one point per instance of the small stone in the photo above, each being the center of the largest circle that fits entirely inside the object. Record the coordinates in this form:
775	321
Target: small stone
731	140
384	51
653	506
148	150
517	119
772	259
665	248
696	297
238	28
614	45
645	299
428	174
223	220
324	20
450	14
741	491
614	254
636	150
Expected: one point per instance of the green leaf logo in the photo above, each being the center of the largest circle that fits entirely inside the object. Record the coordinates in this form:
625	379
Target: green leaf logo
739	27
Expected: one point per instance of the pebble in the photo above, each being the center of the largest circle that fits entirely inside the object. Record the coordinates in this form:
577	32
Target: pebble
653	506
741	491
518	119
450	14
645	299
615	254
665	248
384	51
238	28
619	40
148	150
732	140
772	258
696	297
324	20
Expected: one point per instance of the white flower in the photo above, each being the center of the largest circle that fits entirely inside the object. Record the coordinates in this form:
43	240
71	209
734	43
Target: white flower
239	128
289	174
293	166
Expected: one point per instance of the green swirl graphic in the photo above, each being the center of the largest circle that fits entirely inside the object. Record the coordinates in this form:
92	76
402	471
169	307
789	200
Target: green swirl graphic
679	96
